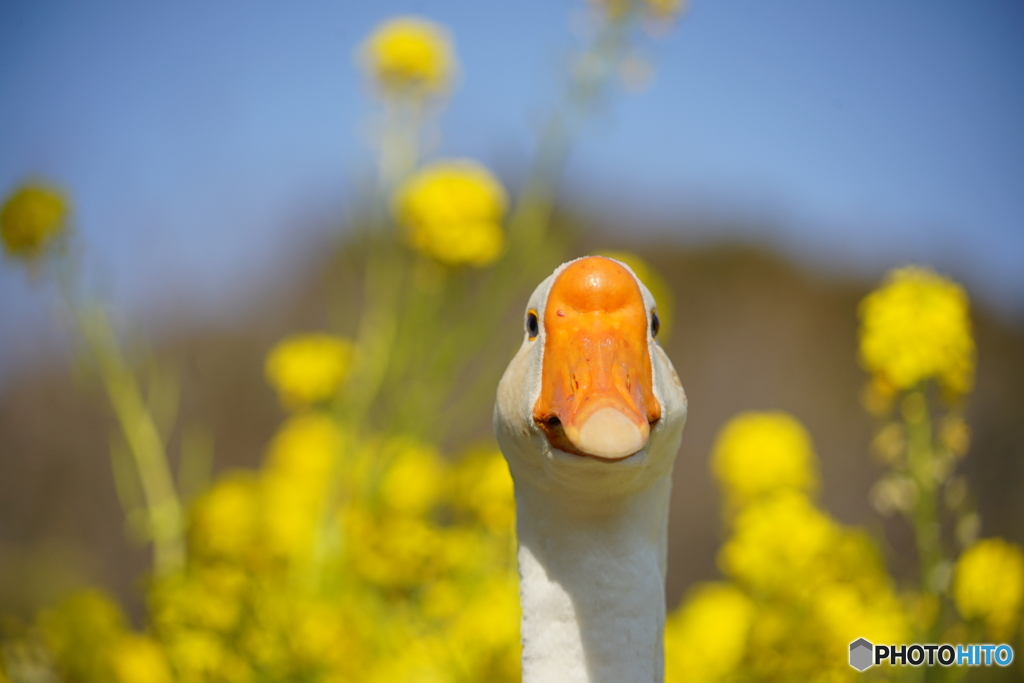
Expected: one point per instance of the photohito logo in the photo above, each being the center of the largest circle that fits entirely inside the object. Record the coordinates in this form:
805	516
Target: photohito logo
863	655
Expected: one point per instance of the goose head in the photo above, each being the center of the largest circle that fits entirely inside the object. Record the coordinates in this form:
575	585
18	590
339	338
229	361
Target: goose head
590	405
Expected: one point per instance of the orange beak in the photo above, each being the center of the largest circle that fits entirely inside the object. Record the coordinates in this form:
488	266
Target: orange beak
596	395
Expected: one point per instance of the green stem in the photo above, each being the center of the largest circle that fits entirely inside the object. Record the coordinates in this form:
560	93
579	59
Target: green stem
924	514
143	439
163	508
399	143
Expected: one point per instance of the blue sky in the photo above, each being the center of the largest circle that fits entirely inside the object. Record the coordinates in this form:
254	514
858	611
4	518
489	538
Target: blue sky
203	141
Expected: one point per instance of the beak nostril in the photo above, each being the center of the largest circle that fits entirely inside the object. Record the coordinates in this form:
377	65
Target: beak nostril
549	422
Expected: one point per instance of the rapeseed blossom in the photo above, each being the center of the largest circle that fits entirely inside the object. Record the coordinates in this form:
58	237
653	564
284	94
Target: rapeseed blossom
706	639
415	480
295	479
482	488
988	584
760	453
31	218
226	519
815	585
917	327
308	368
409	56
79	631
849	612
452	211
139	659
418	558
800	586
777	543
808	638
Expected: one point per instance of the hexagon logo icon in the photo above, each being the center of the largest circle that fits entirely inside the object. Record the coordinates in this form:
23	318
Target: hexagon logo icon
860	654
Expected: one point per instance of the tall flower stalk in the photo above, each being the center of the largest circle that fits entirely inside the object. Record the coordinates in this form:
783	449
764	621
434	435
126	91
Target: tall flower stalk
916	335
145	443
34	227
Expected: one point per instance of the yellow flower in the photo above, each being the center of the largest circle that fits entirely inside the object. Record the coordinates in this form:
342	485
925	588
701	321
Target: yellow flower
660	289
854	557
225	519
197	655
415	479
759	453
316	635
778	543
916	327
848	613
209	597
392	550
452	212
30	218
416	658
308	368
988	584
80	631
299	467
706	636
488	621
409	55
304	448
139	659
483	486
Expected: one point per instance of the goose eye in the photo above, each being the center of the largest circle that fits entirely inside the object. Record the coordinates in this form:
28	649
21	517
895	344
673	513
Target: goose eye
655	324
532	324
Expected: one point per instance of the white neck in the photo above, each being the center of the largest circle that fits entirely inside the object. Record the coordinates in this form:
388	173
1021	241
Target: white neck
592	585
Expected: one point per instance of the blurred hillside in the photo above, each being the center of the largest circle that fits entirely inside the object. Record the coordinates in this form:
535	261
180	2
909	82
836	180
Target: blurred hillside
751	332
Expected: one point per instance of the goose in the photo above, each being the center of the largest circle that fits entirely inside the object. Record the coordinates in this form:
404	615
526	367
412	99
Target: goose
589	416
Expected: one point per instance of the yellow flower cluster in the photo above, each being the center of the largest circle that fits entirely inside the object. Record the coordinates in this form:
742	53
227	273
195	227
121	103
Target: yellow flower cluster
308	368
409	56
988	584
916	327
659	287
224	520
776	539
89	637
31	218
705	640
139	659
246	516
339	560
761	453
452	212
300	465
801	586
482	490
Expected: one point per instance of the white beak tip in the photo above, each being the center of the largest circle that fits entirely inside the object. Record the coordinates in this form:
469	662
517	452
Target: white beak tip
610	435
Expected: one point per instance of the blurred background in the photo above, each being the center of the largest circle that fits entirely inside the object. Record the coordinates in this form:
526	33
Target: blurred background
771	160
